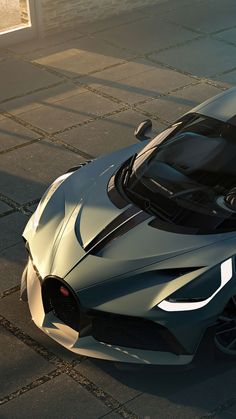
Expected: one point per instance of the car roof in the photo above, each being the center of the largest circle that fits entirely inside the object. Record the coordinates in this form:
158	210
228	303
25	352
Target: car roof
221	107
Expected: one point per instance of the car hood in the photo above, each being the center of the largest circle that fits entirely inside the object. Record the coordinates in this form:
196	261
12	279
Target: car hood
79	210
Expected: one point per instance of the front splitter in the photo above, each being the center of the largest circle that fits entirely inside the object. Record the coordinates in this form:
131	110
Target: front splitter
88	346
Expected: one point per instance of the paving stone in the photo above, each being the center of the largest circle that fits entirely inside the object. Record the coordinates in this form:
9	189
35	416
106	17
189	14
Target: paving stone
156	35
232	409
67	112
3	54
228	35
228	79
203	57
161	408
27	172
45	97
106	135
79	57
113	415
4	207
108	378
224	415
13	134
12	262
136	81
27	47
17	312
192	394
11	227
33	207
19	365
172	106
61	398
27	78
207	16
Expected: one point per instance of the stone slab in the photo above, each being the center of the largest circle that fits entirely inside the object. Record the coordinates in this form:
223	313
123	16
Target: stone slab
12	262
4	207
28	171
136	81
81	56
203	58
19	365
107	135
106	376
13	134
19	77
45	97
67	112
206	16
17	312
11	228
228	35
225	415
60	398
150	34
172	106
227	79
27	47
232	410
190	394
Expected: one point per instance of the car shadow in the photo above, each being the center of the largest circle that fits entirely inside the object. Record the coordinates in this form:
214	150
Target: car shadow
147	378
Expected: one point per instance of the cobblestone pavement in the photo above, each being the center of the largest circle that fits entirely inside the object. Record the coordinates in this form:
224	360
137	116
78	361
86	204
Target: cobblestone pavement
75	96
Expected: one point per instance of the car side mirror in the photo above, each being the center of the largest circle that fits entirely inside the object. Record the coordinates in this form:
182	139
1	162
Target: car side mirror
143	130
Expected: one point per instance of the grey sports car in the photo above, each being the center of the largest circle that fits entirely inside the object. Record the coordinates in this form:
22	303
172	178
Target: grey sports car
132	255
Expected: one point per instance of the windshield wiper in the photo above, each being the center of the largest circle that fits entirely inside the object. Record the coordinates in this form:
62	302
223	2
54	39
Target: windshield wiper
128	170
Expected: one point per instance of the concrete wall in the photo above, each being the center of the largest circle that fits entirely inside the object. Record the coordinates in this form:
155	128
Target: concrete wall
59	15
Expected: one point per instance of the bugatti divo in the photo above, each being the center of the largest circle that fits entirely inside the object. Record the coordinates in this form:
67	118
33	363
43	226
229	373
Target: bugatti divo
132	255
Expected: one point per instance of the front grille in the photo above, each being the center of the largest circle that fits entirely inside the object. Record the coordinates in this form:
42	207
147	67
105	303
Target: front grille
65	308
133	332
113	329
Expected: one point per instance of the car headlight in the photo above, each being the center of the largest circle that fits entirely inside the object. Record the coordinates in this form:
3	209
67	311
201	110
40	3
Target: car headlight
199	292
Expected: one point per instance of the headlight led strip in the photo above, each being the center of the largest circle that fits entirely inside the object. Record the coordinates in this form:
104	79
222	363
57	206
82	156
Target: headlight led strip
226	269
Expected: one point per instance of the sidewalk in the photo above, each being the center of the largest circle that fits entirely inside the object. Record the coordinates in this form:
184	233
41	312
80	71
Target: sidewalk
76	96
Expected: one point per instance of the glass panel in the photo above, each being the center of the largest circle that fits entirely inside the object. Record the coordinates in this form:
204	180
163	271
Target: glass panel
14	14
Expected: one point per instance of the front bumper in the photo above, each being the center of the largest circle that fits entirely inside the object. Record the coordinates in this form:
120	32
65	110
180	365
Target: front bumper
88	345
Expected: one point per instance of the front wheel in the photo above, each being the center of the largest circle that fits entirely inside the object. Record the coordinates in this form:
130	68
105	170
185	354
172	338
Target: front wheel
225	336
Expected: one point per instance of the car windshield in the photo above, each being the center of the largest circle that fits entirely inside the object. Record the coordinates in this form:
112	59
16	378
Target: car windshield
184	175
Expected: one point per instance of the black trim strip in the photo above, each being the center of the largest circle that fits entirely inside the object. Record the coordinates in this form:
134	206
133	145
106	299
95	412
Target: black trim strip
123	217
116	198
122	229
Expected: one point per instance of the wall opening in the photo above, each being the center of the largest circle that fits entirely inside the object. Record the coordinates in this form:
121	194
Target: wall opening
15	15
17	21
